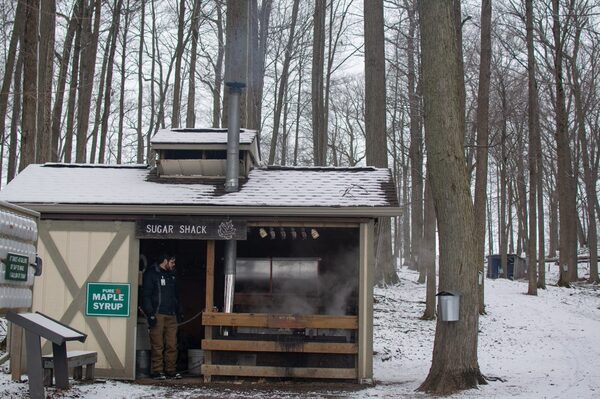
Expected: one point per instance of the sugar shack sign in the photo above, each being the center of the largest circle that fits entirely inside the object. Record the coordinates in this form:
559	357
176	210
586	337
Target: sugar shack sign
107	299
192	229
16	267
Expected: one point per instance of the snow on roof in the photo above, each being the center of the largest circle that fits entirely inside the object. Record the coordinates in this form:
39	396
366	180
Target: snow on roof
264	187
199	136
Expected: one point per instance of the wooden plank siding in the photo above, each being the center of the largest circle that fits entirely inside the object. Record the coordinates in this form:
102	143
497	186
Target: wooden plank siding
265	320
279	346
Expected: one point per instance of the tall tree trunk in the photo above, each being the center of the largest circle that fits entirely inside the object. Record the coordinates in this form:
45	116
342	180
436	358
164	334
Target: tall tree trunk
259	33
122	86
283	82
532	110
553	227
62	82
140	135
14	121
565	178
317	85
375	126
589	174
454	364
236	52
100	97
218	83
415	150
178	57
9	67
70	122
89	44
116	20
30	62
428	258
190	119
481	161
503	229
45	75
458	24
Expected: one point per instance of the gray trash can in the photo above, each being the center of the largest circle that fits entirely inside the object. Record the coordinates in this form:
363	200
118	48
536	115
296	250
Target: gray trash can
448	305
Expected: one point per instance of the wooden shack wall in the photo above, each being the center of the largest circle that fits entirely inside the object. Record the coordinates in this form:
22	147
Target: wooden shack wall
77	252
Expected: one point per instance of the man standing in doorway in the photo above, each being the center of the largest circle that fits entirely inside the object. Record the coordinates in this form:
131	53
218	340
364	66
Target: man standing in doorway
160	302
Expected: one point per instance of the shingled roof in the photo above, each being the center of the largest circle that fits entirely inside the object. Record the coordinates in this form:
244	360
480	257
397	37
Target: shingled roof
136	188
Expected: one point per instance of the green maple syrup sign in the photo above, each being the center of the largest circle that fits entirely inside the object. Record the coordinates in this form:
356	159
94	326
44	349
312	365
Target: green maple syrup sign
107	299
16	267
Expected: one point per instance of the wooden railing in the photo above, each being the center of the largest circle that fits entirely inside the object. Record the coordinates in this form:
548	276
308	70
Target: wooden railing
277	321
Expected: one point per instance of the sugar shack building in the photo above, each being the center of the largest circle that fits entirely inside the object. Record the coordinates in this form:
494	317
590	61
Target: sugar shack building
275	264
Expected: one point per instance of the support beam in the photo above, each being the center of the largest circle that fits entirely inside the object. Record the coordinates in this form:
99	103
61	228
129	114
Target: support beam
365	304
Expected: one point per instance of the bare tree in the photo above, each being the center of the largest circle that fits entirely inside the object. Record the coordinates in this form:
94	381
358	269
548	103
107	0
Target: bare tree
565	177
318	101
454	365
140	136
30	62
45	73
178	57
481	162
283	82
190	120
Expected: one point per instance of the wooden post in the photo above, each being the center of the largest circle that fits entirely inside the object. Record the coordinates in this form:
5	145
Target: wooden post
209	303
16	351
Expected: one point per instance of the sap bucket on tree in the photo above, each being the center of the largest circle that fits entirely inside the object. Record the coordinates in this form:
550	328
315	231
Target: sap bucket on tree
448	305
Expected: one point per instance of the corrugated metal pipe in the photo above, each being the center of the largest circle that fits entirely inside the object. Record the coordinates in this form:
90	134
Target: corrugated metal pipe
232	185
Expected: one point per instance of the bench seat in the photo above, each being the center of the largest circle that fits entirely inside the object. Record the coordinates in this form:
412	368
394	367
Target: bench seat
75	360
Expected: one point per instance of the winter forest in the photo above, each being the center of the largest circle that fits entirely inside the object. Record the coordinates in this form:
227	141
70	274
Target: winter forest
337	83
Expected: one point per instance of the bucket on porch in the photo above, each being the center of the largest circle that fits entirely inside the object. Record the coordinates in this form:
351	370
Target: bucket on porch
195	360
142	364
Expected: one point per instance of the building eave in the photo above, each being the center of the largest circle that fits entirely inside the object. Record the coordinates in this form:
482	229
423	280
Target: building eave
137	209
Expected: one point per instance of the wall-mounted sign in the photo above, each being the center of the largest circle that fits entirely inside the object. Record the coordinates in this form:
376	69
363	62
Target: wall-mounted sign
107	299
16	267
191	229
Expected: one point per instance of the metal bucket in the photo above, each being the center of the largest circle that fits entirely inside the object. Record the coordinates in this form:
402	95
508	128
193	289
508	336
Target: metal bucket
449	305
142	364
195	360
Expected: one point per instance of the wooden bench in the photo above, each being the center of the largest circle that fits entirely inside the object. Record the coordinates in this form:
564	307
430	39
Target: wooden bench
75	360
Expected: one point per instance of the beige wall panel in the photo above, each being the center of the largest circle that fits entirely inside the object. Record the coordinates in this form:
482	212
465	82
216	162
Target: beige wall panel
75	253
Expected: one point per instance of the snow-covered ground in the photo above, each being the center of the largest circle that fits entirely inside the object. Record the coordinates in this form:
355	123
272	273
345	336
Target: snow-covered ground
533	347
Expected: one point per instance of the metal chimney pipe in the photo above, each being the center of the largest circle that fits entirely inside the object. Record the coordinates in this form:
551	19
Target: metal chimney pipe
233	136
232	185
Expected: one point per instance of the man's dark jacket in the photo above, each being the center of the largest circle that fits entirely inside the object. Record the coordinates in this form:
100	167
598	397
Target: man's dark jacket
160	293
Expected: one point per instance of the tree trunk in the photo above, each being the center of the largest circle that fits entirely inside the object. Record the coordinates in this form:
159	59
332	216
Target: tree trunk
565	178
317	84
122	86
30	62
532	110
218	83
178	57
428	258
454	365
503	188
116	20
89	44
140	135
45	74
415	151
14	122
589	174
481	161
70	122
9	67
375	125
283	82
553	243
190	119
62	82
100	97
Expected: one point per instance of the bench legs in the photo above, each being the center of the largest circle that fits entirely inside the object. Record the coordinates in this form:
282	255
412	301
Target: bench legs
77	374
